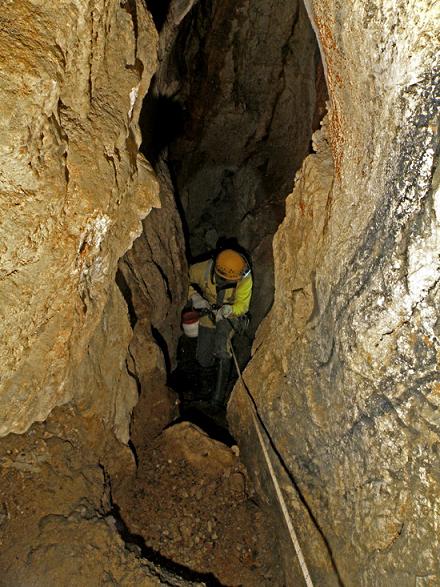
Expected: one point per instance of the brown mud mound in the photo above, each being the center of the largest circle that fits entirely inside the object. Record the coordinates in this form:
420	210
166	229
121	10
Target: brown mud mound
191	501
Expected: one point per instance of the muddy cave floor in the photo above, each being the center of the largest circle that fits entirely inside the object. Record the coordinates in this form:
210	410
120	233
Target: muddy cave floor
75	510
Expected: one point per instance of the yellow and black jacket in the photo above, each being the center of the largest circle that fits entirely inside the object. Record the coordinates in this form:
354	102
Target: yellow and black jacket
202	281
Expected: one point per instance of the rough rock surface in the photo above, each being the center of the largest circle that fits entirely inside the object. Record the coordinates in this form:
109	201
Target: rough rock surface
73	188
155	271
153	277
58	524
236	93
345	368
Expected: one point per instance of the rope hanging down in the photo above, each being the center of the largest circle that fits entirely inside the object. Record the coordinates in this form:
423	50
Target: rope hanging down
280	497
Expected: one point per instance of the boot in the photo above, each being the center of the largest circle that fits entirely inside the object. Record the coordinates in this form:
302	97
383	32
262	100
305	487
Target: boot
219	396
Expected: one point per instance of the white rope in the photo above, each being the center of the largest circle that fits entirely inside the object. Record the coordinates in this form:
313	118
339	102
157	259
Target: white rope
280	496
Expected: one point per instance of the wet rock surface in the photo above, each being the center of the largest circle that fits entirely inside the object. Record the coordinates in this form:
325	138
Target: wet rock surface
192	502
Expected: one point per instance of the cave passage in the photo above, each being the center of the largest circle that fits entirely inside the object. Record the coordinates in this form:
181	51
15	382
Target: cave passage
230	115
109	472
231	111
226	124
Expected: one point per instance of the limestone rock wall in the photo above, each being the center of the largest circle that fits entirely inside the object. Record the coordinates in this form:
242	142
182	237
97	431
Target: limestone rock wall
155	270
345	367
153	277
244	75
73	191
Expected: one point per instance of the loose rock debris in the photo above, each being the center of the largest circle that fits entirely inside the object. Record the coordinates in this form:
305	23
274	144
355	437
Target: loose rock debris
66	485
56	524
192	502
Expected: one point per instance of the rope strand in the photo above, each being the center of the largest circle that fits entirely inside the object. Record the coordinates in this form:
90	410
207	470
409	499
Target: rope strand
278	491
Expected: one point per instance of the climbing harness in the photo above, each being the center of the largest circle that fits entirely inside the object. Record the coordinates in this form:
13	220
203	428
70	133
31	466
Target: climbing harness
241	323
280	497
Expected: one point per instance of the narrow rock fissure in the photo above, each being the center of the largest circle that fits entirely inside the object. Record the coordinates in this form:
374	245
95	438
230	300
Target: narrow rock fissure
139	137
137	542
219	184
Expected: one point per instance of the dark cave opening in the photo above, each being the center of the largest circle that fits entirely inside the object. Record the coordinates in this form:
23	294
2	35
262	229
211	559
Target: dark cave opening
159	10
226	124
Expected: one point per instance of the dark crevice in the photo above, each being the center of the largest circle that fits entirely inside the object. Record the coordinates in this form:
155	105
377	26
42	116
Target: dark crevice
159	10
161	121
132	447
158	559
127	295
162	344
165	568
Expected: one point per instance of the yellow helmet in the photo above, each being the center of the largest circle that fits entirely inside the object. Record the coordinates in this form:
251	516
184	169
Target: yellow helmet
230	265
